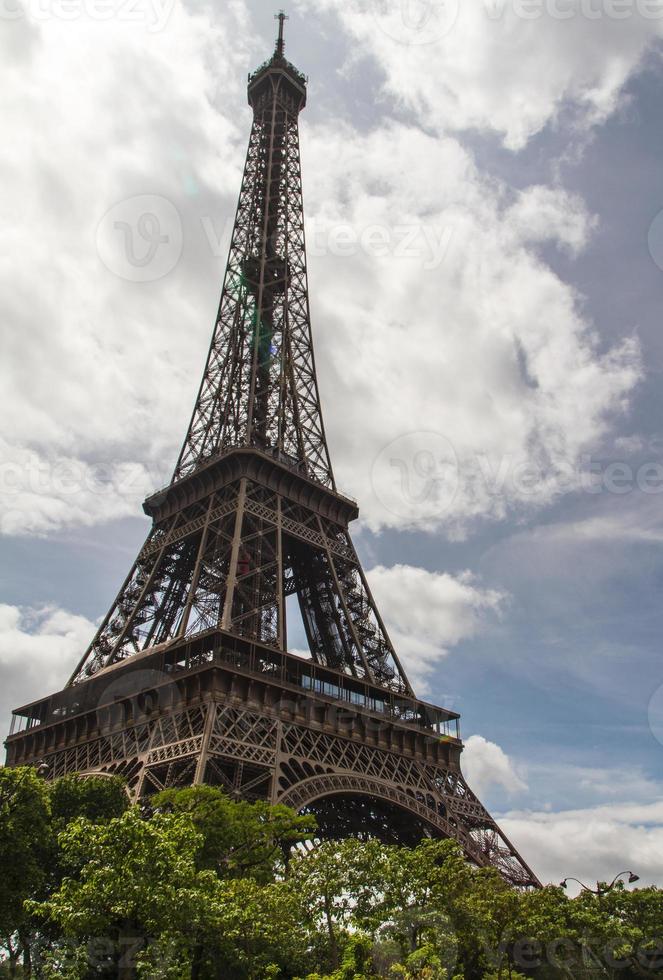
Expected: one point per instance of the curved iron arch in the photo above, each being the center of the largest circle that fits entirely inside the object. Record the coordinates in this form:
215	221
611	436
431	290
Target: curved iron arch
308	791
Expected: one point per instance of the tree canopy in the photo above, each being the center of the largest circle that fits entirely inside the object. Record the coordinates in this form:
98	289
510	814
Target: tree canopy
196	886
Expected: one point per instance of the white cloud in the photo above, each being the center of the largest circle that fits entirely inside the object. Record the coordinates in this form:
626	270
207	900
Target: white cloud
603	538
481	65
629	445
426	613
588	822
592	844
476	344
618	824
445	278
547	214
564	783
485	764
39	649
97	368
42	492
607	784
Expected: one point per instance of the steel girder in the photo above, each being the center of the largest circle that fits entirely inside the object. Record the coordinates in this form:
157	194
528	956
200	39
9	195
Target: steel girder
259	385
255	754
230	560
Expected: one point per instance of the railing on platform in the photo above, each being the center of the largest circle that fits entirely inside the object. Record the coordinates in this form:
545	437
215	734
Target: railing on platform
292	672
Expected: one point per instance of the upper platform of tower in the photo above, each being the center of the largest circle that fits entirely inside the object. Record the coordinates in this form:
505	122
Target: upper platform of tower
277	77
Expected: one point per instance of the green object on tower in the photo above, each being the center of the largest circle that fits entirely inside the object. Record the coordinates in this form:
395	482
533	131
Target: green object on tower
261	335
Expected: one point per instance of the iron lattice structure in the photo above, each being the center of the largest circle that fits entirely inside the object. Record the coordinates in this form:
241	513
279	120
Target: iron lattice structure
189	678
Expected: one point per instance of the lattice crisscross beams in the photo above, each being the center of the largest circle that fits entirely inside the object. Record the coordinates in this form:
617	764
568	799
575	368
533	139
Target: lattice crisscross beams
343	626
242	734
175	588
319	764
229	560
259	386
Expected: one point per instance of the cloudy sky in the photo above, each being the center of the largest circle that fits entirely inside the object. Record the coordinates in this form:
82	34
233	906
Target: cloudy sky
484	200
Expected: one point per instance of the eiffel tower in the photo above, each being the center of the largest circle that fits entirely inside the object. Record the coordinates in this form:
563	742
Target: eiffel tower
189	678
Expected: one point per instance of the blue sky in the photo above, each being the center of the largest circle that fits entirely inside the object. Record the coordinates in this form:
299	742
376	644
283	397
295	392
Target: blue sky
486	280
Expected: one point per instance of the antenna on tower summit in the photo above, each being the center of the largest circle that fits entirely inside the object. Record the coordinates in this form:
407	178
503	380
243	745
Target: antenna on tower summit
280	44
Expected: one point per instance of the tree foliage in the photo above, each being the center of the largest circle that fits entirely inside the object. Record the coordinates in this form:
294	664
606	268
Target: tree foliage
239	839
26	849
196	886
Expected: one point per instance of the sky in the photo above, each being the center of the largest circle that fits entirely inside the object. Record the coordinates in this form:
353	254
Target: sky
484	220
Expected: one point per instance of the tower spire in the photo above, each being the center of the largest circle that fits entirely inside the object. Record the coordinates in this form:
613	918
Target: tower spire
280	43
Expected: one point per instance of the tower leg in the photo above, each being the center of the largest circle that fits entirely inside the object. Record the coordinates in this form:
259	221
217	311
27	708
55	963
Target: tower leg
201	765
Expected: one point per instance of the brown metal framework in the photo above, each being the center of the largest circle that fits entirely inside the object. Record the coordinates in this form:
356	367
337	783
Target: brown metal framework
259	387
189	678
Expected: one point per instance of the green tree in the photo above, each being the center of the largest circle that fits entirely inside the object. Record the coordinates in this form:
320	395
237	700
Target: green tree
544	919
239	839
138	886
422	964
641	913
356	963
99	798
199	887
490	921
336	885
617	933
26	847
142	885
421	895
258	933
